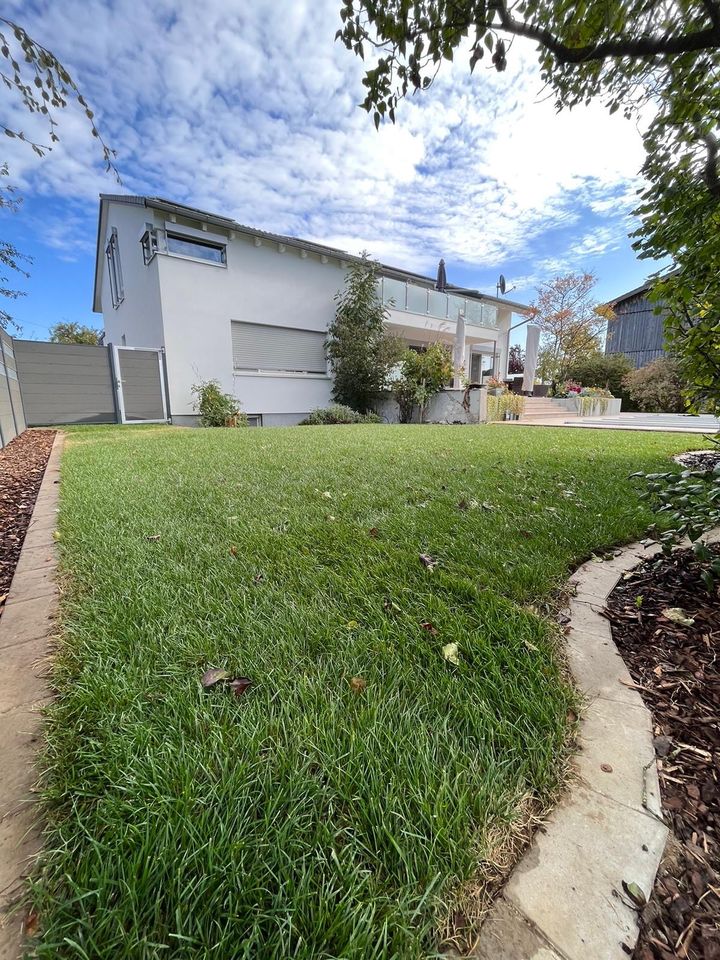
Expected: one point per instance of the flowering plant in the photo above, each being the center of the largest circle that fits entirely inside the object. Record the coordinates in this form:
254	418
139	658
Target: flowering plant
495	383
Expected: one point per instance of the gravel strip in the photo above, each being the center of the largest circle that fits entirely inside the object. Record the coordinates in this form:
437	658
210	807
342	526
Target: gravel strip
22	464
676	667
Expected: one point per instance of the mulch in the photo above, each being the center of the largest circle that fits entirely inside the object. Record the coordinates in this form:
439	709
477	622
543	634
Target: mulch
676	667
22	465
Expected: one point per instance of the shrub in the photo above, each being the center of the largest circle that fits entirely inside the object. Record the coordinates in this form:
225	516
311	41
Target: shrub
338	413
657	388
216	409
601	370
688	505
422	375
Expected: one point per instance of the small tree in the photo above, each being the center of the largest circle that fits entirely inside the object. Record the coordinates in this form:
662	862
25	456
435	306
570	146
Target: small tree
571	322
361	351
516	359
657	387
71	332
422	376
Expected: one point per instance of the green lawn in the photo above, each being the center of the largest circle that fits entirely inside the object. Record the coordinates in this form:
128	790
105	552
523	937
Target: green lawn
307	819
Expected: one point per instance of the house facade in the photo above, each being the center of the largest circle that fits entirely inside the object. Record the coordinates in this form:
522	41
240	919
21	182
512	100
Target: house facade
251	309
636	330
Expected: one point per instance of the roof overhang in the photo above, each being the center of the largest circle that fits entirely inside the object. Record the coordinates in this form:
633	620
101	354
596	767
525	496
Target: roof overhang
310	246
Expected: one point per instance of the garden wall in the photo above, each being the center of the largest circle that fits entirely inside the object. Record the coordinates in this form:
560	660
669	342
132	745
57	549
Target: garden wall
12	416
448	406
572	405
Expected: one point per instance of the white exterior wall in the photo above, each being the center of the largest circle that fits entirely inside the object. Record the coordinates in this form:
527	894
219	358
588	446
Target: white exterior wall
139	317
187	306
258	285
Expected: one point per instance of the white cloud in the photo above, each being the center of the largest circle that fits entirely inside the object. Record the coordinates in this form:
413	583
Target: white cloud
251	110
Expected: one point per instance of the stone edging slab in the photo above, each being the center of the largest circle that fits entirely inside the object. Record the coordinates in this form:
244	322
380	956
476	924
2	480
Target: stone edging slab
25	627
564	899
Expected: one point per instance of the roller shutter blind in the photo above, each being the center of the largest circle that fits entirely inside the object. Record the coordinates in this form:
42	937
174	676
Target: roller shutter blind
258	346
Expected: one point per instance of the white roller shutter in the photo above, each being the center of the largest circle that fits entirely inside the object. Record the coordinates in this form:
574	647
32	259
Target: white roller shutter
258	346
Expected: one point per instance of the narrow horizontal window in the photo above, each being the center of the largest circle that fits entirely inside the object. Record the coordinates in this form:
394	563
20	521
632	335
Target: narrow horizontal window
186	247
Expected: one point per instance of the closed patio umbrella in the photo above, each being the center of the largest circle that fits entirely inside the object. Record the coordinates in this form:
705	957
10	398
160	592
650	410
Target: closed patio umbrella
459	349
532	346
441	282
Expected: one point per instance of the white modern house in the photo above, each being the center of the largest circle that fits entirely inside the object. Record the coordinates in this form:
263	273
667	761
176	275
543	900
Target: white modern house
250	309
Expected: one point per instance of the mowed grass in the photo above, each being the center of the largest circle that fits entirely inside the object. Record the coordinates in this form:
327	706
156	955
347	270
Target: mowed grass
307	819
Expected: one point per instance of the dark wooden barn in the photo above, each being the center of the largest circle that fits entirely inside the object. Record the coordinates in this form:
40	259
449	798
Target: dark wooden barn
636	331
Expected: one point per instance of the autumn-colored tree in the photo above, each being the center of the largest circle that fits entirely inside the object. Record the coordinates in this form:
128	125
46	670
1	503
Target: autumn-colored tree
571	322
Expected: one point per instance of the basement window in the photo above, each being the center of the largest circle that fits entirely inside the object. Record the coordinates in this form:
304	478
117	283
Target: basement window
112	253
184	246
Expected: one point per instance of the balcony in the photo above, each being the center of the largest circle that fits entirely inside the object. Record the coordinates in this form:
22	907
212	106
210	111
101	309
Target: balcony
412	298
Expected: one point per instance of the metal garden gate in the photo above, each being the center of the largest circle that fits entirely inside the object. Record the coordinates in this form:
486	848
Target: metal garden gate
140	385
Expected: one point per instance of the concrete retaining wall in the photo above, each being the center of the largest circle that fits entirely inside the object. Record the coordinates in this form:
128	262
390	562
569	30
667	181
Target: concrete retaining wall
448	406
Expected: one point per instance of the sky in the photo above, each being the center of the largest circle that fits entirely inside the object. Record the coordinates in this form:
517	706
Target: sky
249	109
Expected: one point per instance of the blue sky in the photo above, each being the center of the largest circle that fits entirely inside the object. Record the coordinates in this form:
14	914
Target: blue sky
250	110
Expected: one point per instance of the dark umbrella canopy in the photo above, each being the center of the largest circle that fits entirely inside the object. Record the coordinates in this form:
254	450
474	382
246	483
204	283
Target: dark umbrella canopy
441	282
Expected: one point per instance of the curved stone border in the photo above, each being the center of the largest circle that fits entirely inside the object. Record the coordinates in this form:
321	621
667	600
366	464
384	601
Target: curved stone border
25	627
564	900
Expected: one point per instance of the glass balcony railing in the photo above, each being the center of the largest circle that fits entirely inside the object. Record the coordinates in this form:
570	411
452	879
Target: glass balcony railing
412	298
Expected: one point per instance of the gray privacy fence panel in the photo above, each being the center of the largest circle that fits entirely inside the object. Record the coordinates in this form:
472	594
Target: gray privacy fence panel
12	417
65	383
141	384
259	346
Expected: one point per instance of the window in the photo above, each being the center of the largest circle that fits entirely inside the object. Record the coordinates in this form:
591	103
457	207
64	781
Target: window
112	253
254	419
259	346
197	249
149	243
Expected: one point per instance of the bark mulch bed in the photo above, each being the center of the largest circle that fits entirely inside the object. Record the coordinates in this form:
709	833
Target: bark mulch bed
22	465
676	667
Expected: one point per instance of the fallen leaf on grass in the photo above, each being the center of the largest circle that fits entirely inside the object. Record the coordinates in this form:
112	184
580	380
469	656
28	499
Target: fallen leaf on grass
427	561
31	924
240	685
211	677
352	625
373	532
233	551
430	627
678	615
450	652
153	537
358	684
56	534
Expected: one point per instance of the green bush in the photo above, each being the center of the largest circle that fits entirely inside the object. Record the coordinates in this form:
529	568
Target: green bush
687	505
657	387
422	375
216	409
338	413
606	370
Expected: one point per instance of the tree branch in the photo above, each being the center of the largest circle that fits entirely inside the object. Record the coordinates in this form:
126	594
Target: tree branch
712	178
646	46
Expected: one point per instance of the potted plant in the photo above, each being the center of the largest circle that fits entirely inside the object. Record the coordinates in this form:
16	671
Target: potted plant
496	388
